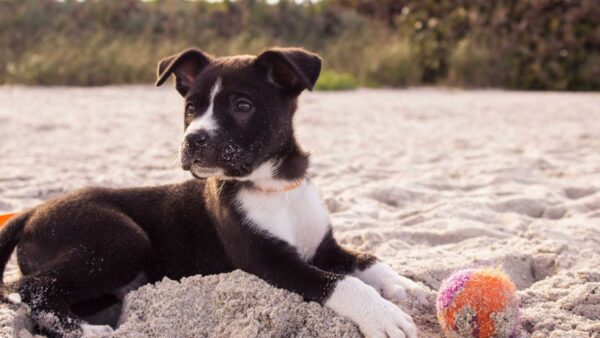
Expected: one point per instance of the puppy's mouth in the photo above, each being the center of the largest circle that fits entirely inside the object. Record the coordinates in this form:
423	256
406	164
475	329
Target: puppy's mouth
204	170
199	171
220	165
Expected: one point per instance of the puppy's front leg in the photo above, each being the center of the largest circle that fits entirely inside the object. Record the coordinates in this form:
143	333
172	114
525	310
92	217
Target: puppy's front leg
280	265
332	257
376	317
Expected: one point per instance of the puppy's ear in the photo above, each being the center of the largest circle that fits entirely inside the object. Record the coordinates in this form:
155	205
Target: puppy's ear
185	65
291	69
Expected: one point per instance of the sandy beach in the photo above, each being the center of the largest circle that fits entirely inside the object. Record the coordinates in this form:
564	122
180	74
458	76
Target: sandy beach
429	180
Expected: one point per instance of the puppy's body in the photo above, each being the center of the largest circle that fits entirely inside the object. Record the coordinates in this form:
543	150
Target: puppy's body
256	211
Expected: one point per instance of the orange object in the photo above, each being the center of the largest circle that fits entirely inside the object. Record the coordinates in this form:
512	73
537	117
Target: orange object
478	303
295	184
5	217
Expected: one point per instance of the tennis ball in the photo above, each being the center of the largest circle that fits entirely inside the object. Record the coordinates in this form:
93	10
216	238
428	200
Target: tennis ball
478	303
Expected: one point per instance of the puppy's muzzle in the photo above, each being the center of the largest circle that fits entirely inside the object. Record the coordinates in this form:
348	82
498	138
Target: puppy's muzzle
194	149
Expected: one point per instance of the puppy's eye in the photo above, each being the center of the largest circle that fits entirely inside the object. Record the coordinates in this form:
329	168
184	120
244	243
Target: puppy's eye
190	109
243	106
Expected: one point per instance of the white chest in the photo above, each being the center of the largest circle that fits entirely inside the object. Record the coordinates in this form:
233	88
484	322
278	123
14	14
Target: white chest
297	217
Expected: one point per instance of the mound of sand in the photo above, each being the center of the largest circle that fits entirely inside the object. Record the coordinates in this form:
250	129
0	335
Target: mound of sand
428	180
234	304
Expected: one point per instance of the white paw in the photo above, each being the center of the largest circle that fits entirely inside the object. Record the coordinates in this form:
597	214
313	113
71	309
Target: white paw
388	321
89	331
399	287
392	285
375	316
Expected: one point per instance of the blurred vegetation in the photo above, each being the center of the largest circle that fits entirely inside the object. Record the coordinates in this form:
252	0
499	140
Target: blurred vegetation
331	80
523	44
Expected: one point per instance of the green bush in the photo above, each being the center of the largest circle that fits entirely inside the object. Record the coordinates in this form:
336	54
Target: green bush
394	65
331	80
544	44
470	66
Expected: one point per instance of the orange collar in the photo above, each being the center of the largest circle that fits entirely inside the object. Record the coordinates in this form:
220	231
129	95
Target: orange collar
293	185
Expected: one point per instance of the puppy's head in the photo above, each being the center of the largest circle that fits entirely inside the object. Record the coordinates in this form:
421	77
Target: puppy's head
239	109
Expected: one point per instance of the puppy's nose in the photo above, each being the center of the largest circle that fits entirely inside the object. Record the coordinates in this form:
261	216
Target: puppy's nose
197	139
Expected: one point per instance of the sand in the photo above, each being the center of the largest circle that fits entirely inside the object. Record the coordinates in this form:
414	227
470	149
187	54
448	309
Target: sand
429	180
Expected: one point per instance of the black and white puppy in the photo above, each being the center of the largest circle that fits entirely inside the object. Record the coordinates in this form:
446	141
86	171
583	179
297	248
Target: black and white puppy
251	208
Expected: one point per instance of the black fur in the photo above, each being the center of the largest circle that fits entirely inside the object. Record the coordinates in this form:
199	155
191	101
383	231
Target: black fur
331	256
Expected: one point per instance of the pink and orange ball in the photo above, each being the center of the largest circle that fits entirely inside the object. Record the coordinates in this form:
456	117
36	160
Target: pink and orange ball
478	303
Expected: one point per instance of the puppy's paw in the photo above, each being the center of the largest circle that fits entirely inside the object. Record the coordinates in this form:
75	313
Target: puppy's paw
95	331
392	285
400	288
389	321
375	316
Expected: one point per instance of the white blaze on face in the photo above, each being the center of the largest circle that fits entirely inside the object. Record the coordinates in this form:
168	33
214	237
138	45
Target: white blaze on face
207	120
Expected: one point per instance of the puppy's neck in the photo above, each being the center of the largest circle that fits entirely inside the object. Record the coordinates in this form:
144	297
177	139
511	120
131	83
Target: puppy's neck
293	164
284	172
